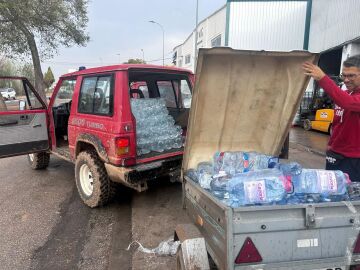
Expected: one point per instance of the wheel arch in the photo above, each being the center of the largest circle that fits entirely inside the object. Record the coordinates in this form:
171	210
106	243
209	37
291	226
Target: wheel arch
91	142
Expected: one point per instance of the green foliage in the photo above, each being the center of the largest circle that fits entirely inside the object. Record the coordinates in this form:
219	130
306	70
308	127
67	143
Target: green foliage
49	78
51	23
12	68
7	68
39	27
27	71
135	61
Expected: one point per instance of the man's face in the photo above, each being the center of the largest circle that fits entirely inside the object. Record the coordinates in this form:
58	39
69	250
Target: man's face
351	77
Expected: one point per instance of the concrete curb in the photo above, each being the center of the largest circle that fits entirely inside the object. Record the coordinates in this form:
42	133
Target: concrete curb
307	149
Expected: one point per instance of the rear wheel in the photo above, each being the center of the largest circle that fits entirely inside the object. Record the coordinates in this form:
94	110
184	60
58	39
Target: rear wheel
307	124
39	161
93	184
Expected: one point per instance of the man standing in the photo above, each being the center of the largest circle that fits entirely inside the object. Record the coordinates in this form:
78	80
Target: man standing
344	144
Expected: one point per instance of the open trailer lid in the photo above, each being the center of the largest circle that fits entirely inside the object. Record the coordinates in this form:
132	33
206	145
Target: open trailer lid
243	100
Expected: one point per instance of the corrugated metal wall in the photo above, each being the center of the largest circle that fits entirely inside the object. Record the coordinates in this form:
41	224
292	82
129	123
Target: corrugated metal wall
272	25
333	22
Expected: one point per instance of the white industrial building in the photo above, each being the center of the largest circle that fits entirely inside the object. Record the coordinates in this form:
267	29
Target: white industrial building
330	27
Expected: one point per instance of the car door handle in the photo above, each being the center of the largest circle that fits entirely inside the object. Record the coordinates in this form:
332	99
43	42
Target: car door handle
36	125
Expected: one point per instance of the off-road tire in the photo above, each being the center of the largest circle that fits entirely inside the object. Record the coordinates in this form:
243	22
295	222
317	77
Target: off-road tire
39	161
103	188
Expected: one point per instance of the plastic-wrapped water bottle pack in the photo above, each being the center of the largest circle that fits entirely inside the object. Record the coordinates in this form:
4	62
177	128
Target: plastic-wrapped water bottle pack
155	128
241	178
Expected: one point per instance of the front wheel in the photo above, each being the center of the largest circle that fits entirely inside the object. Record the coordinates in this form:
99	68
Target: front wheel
39	161
93	184
307	124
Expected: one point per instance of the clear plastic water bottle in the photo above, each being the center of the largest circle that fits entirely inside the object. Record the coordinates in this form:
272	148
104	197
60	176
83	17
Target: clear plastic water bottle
354	191
255	161
239	162
192	174
219	186
323	182
155	128
258	187
229	162
291	168
304	198
204	174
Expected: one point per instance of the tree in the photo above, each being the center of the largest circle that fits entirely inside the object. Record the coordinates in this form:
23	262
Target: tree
49	78
27	70
135	61
38	27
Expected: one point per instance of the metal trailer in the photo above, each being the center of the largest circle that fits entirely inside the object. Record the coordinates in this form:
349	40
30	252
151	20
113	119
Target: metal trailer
246	100
306	236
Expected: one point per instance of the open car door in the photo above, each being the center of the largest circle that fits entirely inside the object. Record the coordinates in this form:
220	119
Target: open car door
23	121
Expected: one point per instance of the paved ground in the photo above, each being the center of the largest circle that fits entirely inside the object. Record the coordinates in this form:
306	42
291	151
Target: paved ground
44	225
314	141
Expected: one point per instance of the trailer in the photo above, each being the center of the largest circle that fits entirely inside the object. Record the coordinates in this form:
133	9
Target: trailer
245	100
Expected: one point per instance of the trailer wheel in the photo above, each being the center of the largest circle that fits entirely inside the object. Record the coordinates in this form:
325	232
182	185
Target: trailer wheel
307	124
94	185
39	161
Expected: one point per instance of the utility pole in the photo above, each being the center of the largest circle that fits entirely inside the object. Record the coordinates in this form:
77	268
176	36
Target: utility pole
143	58
196	33
163	32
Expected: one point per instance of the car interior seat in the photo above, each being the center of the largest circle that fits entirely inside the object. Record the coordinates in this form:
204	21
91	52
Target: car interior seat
136	93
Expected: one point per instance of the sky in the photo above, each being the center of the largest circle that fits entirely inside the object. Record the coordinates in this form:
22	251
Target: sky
120	30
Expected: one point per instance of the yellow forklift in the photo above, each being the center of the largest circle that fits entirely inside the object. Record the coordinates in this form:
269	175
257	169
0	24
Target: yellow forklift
317	111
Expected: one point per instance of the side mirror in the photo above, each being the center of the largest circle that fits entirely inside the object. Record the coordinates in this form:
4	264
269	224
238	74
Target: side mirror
22	105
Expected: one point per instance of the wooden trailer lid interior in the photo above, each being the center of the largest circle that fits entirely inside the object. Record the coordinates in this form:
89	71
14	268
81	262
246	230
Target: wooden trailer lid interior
243	100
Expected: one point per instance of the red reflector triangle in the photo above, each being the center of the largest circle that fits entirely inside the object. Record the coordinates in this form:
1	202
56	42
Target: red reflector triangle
248	253
357	245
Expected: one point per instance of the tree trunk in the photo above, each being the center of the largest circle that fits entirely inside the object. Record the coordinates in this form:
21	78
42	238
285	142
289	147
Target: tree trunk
39	78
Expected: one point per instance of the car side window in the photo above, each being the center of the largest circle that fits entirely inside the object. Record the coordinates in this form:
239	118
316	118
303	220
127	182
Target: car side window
34	102
96	95
167	92
183	93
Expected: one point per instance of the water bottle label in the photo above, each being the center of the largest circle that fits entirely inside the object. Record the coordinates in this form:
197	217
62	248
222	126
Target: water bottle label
255	191
327	181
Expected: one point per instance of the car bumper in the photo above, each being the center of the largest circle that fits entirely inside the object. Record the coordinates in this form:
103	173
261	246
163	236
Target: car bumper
136	177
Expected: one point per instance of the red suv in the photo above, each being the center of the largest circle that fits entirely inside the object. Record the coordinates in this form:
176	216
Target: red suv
89	122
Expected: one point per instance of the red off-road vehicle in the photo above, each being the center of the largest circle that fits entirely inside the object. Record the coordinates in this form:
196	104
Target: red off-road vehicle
89	122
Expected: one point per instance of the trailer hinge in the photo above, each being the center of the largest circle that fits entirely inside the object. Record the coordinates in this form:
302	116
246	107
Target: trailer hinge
310	221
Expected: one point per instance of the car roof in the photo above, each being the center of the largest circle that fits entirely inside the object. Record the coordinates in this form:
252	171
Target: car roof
127	67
